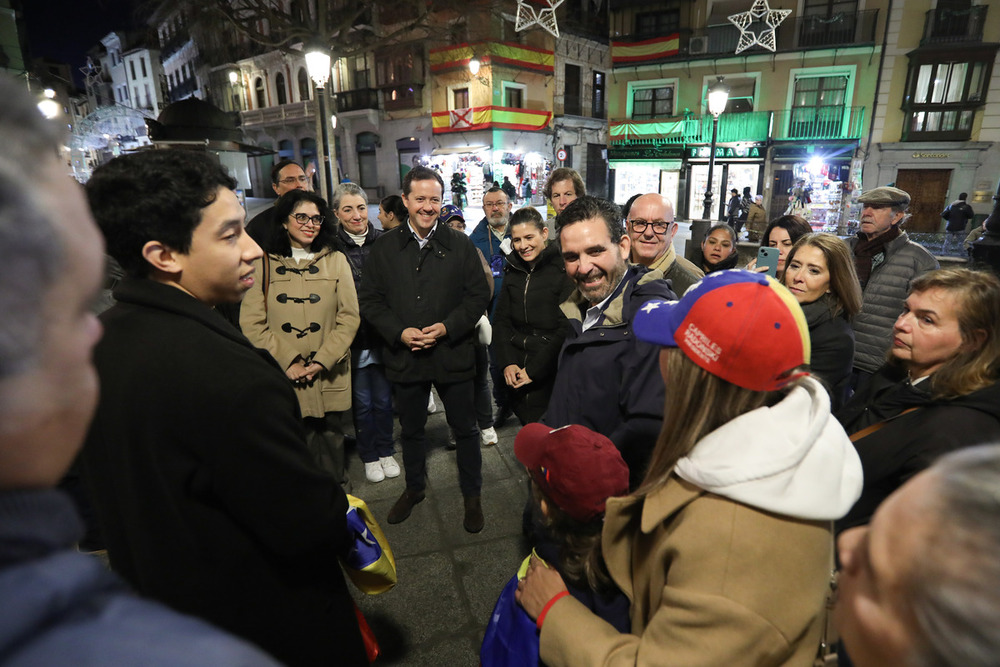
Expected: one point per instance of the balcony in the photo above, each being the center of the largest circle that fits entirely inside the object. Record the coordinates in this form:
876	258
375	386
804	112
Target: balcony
356	100
822	123
954	26
800	33
184	89
174	44
755	126
407	96
283	114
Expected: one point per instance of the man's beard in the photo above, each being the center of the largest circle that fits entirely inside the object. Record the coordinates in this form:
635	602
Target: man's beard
602	291
498	222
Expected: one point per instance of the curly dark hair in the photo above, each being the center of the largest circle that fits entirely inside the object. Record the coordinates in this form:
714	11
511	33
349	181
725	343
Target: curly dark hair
277	243
155	195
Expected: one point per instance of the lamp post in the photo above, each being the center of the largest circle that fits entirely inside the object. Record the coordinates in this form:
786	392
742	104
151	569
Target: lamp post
318	64
718	95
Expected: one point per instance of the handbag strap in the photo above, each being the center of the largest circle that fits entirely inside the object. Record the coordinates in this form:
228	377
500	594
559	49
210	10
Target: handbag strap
867	431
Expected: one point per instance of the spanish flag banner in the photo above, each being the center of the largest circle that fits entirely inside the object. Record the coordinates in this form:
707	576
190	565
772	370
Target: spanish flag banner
625	53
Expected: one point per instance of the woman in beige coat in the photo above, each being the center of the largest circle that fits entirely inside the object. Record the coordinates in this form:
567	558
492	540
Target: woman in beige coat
725	549
304	311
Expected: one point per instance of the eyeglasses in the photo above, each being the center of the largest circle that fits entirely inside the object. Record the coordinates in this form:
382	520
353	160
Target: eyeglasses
292	180
659	226
302	219
494	204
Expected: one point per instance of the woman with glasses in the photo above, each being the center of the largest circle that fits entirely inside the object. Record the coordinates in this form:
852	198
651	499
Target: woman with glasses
303	309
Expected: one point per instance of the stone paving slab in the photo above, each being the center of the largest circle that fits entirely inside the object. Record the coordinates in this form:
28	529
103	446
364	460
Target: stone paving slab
448	579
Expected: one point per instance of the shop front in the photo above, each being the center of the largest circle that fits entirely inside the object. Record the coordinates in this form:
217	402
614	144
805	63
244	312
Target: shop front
737	166
816	181
478	159
642	169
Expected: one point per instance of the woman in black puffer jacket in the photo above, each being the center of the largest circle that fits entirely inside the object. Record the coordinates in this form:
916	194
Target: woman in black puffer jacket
529	327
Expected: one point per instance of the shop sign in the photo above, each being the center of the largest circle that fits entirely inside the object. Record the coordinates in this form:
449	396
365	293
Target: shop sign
724	152
645	152
822	151
931	156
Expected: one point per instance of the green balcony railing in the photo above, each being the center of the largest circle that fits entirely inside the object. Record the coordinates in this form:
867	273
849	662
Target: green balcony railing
754	126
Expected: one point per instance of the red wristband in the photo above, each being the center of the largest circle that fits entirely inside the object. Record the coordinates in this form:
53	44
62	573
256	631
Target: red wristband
548	605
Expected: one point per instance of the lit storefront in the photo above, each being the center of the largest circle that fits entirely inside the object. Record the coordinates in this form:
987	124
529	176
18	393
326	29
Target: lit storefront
645	169
736	166
816	182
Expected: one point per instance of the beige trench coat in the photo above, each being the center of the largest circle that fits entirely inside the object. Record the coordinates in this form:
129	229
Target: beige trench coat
712	582
301	293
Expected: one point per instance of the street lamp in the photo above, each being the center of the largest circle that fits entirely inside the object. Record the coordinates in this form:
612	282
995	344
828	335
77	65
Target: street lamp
48	106
318	64
718	95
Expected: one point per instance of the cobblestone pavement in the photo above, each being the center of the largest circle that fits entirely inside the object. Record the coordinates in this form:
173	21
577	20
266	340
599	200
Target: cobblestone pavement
448	579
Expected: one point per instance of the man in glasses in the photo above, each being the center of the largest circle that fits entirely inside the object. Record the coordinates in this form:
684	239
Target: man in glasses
286	175
652	228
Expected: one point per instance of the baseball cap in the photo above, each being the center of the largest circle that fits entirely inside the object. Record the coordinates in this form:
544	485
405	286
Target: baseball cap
575	467
743	327
886	196
450	212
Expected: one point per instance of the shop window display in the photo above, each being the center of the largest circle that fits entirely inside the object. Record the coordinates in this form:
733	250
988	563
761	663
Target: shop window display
817	194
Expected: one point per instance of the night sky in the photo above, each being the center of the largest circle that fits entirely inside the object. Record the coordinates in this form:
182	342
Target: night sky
65	30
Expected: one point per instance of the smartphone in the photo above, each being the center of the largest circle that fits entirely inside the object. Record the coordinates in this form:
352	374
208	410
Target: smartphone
768	257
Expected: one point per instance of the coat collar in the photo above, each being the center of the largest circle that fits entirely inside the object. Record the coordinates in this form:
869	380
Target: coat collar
151	294
444	236
615	311
656	507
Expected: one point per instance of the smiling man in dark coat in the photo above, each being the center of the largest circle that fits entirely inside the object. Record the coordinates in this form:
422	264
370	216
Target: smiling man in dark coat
196	459
423	291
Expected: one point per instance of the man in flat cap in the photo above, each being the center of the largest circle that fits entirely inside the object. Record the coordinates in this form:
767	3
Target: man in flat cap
886	261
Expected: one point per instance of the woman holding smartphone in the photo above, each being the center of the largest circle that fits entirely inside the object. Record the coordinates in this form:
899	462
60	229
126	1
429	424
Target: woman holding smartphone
820	274
781	233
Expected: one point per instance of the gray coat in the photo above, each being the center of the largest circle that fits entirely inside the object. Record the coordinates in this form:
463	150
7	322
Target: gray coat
883	297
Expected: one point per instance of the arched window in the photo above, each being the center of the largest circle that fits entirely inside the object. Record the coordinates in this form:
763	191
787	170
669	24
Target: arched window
305	90
258	88
279	84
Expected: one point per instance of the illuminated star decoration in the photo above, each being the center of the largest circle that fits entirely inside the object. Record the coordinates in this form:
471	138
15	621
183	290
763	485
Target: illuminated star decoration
545	17
760	11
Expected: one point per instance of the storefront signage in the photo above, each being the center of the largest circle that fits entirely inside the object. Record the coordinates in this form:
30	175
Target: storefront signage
931	156
725	152
645	152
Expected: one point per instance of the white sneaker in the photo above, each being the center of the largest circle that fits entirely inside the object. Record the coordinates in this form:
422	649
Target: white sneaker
374	472
489	436
431	405
389	466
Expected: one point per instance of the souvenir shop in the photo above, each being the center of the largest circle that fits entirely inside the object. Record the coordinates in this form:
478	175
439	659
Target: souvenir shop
470	170
813	182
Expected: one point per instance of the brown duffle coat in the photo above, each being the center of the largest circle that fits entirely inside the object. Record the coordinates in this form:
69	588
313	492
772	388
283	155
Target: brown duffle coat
311	313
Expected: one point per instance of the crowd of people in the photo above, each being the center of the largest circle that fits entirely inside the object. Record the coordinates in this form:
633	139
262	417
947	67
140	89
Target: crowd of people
696	435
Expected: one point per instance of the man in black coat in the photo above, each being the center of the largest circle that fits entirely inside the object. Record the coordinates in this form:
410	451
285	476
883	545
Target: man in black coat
196	459
424	290
957	214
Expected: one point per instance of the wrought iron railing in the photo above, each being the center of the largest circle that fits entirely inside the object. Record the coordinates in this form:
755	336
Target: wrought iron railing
353	100
943	25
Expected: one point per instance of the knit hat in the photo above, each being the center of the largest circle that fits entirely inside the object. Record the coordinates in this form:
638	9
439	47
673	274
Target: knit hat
743	327
449	212
576	468
885	196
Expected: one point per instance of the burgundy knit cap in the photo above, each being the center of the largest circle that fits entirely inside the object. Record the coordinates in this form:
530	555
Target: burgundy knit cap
575	467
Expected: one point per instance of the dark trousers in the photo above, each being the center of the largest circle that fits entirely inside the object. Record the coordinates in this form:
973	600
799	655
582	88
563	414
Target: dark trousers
325	440
500	388
372	394
411	401
484	406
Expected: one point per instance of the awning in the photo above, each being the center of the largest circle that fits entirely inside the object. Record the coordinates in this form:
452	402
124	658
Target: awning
458	149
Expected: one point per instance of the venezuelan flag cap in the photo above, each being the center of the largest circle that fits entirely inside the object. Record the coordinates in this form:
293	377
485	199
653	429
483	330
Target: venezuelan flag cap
743	327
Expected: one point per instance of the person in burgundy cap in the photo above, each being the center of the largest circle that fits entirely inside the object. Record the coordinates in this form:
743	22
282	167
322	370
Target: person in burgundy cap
725	548
573	472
